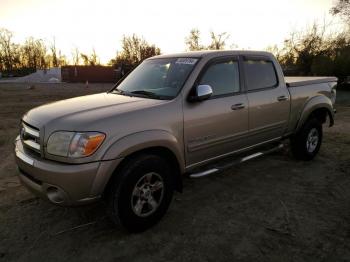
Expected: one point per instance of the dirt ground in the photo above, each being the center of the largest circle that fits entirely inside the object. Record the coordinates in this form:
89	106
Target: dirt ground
270	209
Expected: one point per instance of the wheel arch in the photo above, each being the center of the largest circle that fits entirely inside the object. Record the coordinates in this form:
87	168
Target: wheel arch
319	107
157	150
159	143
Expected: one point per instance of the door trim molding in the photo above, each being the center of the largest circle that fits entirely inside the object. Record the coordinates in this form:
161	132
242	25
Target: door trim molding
194	146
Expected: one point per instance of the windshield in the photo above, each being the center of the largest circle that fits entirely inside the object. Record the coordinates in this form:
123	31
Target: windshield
160	78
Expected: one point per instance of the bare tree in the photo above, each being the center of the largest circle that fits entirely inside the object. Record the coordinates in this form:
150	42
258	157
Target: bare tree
55	61
342	8
91	59
85	59
193	41
134	50
76	56
315	52
94	59
62	59
23	58
34	53
218	41
6	49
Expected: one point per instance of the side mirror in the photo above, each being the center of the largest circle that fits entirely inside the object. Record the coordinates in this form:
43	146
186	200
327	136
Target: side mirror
200	93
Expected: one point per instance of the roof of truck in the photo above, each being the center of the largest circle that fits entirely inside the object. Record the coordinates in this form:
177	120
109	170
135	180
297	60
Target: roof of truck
213	53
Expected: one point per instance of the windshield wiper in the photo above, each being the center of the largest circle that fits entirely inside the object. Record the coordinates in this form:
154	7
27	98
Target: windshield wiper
143	93
146	93
121	92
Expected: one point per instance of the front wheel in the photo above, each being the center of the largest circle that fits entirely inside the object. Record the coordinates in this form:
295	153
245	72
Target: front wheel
141	192
307	142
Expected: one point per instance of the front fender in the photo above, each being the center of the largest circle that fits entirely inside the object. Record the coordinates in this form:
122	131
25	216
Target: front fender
318	102
143	140
132	143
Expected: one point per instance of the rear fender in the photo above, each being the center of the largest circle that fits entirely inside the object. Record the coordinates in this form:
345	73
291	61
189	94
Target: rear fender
316	103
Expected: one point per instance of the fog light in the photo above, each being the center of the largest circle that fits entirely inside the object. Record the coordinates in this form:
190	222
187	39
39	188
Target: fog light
55	195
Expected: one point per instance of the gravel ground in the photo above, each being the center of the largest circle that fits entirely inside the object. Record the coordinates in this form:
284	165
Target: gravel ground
270	209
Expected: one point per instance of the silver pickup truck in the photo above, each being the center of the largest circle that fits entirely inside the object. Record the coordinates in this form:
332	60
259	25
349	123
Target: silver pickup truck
173	115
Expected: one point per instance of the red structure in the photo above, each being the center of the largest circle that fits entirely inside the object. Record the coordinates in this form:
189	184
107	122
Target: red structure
93	74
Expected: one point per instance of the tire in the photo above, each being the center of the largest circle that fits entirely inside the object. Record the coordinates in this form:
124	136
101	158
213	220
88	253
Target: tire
140	192
307	142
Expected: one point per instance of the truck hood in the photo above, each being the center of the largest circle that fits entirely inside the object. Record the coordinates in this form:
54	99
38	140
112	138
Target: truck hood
88	108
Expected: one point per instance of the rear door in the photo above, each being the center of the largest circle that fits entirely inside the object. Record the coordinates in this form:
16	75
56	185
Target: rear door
218	125
268	99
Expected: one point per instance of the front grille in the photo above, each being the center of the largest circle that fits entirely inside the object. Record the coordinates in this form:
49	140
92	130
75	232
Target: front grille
30	136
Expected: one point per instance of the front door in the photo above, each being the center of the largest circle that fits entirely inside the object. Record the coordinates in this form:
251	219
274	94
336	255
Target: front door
216	126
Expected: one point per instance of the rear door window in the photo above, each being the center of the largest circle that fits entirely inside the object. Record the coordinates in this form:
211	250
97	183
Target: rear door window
259	74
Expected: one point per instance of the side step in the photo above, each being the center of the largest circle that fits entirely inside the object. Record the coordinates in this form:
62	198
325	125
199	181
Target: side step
235	162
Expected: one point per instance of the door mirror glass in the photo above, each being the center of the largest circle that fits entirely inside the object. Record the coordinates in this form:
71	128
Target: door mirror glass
201	92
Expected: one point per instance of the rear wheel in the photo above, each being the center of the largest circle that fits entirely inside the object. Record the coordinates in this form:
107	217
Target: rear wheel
141	192
307	142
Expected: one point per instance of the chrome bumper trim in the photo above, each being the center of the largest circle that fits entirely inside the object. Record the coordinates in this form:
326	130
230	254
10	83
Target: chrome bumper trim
24	158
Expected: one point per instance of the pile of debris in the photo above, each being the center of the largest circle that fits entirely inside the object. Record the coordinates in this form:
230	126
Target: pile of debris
52	75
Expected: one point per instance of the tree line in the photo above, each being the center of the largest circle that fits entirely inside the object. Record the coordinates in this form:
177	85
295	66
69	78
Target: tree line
310	52
316	51
23	58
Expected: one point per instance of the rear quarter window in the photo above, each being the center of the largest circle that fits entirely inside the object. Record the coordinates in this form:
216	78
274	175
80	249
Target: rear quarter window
259	74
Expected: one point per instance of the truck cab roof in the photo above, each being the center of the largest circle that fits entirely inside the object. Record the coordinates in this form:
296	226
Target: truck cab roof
213	53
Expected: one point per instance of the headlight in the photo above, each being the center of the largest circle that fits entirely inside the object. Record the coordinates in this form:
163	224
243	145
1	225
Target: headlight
73	144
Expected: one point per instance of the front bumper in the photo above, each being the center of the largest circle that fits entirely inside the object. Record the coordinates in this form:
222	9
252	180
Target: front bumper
62	184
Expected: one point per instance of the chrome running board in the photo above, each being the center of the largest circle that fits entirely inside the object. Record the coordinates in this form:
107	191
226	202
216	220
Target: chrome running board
204	173
235	162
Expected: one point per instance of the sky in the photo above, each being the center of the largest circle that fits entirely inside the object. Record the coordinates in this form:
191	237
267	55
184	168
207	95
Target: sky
101	24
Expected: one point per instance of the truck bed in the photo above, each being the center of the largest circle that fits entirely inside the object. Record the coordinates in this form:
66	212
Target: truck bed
294	81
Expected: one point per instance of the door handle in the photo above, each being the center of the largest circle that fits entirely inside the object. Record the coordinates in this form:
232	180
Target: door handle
282	98
237	106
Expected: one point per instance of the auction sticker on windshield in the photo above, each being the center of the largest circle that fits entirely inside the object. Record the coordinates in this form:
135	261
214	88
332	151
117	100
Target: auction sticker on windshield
186	61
